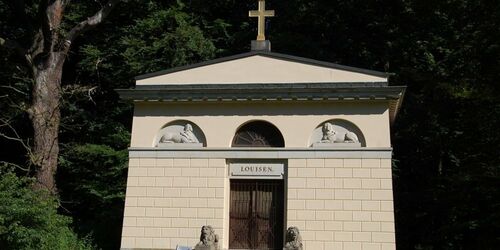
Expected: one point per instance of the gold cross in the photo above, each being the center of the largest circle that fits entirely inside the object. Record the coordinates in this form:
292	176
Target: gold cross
262	13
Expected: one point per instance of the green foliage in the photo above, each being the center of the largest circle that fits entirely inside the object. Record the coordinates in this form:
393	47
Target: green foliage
95	126
29	219
176	41
152	37
92	182
447	167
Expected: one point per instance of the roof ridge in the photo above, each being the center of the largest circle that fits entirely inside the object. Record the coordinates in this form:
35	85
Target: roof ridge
266	54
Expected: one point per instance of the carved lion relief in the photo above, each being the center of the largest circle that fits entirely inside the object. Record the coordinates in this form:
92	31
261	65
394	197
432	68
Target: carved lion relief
337	133
180	134
330	135
184	136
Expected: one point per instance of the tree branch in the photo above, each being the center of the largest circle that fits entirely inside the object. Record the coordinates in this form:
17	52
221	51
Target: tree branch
6	123
90	23
44	21
15	165
36	45
15	89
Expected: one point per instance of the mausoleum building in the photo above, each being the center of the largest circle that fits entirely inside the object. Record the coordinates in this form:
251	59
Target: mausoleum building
256	143
261	151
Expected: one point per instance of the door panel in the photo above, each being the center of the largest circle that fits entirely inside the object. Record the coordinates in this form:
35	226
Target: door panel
256	214
240	217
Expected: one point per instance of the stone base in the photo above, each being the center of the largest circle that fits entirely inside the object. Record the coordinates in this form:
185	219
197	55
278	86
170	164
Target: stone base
183	248
180	145
337	145
260	45
211	247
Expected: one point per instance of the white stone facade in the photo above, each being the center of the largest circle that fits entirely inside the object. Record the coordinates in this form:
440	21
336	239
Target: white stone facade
168	201
341	203
339	197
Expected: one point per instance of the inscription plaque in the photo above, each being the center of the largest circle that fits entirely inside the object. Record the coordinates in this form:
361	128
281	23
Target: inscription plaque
257	170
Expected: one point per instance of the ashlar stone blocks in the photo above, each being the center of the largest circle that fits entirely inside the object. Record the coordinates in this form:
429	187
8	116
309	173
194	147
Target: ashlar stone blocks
341	203
168	200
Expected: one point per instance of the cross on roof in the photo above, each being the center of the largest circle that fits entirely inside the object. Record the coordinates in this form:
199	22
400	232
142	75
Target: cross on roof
262	13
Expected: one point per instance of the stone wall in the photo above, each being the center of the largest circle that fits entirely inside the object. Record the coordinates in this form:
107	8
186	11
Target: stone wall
168	200
342	203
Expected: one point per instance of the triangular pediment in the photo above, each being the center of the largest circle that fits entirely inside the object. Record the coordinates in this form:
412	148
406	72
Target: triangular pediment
261	67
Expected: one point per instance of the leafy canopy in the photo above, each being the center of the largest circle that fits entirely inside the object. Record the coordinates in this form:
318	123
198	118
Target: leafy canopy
29	219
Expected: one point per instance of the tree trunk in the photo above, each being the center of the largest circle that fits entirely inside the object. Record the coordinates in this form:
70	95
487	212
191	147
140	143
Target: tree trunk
46	57
45	117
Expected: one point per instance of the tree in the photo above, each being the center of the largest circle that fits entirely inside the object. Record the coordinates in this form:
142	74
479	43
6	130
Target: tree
45	46
29	219
446	167
94	135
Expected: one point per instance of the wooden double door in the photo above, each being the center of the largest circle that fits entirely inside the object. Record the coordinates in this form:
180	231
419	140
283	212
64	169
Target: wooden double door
256	214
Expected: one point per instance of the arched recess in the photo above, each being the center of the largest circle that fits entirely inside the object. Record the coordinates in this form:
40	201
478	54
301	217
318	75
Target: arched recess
337	133
180	133
258	134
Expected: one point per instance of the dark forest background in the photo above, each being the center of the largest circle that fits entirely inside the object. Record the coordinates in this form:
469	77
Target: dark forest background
446	138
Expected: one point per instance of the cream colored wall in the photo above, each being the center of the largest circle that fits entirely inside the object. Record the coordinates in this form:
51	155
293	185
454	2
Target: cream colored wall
259	69
168	200
336	203
342	203
296	120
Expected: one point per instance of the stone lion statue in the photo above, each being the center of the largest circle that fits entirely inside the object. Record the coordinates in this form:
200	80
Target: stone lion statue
329	134
293	239
332	136
208	239
185	136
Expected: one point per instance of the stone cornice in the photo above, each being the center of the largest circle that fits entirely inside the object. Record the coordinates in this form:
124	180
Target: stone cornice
264	92
252	92
261	153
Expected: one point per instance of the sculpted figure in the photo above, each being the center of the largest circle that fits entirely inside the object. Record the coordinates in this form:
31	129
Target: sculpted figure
293	239
329	134
351	137
208	239
332	136
185	136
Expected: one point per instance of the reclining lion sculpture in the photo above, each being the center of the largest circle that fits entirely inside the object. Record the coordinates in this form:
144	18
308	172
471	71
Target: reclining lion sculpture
185	136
